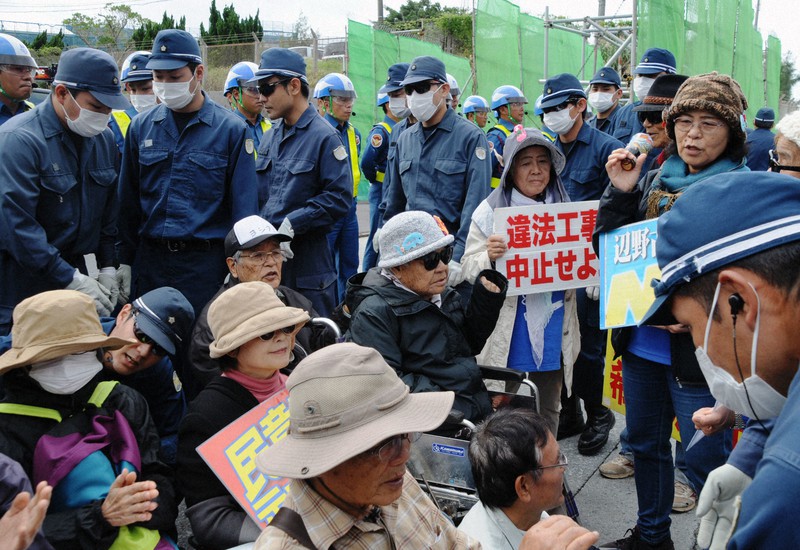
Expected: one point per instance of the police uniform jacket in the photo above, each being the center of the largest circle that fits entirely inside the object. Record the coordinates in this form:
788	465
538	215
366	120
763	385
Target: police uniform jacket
304	172
609	122
57	202
584	174
373	163
497	139
184	186
626	123
759	142
447	174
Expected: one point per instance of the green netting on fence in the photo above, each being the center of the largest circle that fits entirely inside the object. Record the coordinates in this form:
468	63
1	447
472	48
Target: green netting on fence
773	71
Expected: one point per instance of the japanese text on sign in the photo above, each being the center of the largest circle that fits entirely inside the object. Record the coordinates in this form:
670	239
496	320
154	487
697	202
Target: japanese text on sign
549	246
231	455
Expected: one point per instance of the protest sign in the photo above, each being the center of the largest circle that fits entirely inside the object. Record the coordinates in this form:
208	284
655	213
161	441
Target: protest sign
549	246
231	455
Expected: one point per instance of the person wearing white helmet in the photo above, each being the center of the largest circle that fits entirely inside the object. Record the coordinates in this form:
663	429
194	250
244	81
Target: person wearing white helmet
508	104
138	82
476	109
245	99
17	69
336	95
455	91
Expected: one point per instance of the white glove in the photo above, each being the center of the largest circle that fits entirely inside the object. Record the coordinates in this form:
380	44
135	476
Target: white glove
286	229
717	506
98	293
593	292
108	279
124	283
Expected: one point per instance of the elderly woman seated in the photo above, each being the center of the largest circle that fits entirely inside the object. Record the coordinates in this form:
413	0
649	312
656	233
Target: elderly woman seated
253	339
405	310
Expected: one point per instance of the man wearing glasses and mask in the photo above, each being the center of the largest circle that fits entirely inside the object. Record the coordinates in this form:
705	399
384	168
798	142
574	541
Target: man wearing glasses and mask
304	171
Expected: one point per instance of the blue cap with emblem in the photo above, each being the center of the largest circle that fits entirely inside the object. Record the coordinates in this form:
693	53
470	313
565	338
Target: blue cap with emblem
173	49
606	75
94	71
656	60
694	238
765	114
281	62
559	88
395	76
133	68
425	68
166	316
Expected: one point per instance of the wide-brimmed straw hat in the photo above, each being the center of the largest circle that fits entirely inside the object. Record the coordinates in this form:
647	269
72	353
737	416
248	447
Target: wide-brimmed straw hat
54	324
343	400
246	311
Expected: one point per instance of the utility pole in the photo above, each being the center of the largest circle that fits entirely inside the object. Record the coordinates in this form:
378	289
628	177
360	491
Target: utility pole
601	8
380	11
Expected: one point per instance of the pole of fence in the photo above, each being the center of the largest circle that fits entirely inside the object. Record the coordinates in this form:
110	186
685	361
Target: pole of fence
474	60
546	38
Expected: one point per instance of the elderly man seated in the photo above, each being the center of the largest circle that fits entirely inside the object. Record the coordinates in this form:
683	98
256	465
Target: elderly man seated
519	472
255	251
404	309
92	440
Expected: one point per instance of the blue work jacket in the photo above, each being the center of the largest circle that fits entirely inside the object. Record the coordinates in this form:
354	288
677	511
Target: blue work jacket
349	135
6	114
57	202
497	139
584	174
373	163
446	174
626	123
257	130
759	142
119	123
185	186
608	127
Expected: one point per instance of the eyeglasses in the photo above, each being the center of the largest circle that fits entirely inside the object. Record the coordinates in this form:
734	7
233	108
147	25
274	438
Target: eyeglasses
653	117
261	258
251	90
270	335
431	260
19	70
706	125
419	87
776	166
155	349
343	100
390	449
562	462
268	89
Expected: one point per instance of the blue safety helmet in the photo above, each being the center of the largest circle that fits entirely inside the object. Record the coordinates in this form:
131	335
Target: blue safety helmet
335	84
505	95
133	68
14	52
537	106
383	99
239	75
475	104
454	89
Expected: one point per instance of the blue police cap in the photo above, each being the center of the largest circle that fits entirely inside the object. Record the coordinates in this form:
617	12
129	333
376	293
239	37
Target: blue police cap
94	71
765	114
656	60
173	49
133	69
395	76
607	75
425	68
559	88
281	62
166	316
699	234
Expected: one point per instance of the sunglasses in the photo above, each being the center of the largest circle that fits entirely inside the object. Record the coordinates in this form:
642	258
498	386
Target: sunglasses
653	117
431	260
270	335
268	89
419	87
390	449
155	349
775	166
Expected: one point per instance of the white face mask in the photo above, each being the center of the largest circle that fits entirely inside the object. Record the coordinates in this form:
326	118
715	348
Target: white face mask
559	121
601	101
66	375
143	102
175	95
398	107
766	401
422	105
641	86
89	123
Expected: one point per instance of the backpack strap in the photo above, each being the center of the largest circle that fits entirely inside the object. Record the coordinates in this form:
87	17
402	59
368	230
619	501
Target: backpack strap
30	410
101	392
291	523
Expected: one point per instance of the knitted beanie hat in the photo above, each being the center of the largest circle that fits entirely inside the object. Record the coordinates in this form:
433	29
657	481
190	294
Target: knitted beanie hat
411	235
715	93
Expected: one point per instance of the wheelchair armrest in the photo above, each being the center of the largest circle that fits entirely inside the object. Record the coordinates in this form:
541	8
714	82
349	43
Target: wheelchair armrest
455	417
501	373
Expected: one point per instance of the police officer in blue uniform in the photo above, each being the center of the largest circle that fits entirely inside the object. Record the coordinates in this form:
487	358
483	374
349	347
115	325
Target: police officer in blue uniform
138	82
17	69
373	163
760	140
442	164
246	100
304	170
187	175
58	169
585	178
654	63
605	91
508	104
